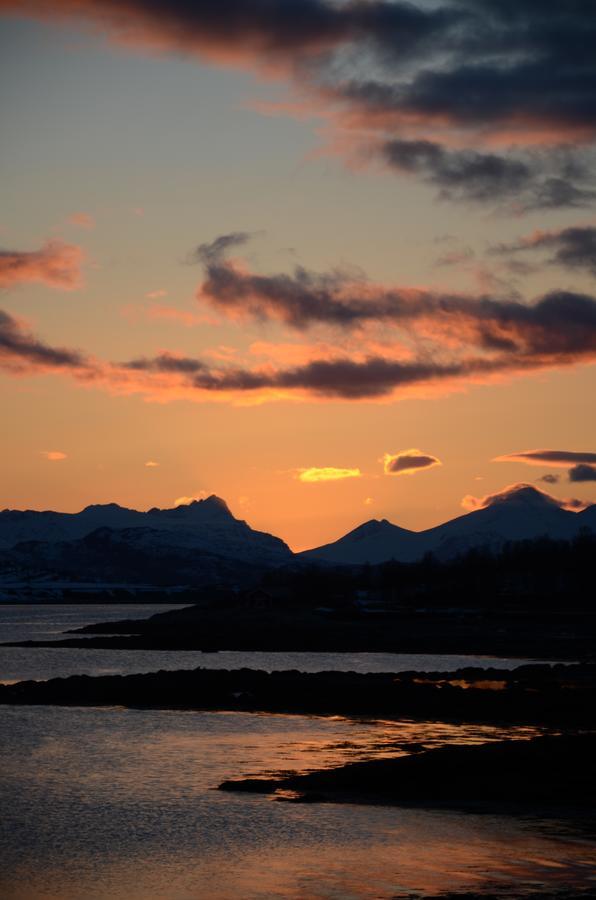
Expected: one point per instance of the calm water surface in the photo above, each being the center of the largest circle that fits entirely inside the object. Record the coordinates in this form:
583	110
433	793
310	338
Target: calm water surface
120	804
18	623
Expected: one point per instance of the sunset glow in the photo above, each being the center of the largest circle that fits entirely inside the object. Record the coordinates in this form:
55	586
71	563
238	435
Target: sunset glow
310	243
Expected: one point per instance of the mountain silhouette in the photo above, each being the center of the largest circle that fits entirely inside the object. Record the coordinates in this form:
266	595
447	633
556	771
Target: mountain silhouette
192	543
519	513
203	542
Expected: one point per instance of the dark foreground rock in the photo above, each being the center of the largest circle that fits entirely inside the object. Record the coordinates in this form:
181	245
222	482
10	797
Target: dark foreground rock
535	694
552	770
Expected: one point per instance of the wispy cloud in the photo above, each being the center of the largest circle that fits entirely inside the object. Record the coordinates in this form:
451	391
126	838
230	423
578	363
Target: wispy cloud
327	473
570	248
56	264
563	458
82	219
53	455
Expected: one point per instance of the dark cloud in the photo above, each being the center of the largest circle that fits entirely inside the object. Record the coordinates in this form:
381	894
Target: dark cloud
407	462
347	378
166	362
461	174
341	378
561	323
263	31
582	472
211	252
549	479
21	350
474	71
468	175
550	457
572	248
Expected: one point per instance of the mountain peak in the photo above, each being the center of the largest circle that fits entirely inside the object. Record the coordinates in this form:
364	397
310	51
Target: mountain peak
102	507
211	505
523	495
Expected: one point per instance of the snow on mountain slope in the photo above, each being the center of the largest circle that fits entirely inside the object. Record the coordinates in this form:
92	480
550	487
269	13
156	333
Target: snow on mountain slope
203	524
520	513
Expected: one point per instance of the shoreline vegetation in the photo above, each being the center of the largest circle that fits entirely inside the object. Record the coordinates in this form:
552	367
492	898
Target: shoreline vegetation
532	599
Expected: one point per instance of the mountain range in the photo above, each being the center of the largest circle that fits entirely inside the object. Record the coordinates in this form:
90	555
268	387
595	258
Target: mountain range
202	543
520	513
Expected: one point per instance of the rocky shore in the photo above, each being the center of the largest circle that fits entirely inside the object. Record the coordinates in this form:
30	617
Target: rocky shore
556	696
550	770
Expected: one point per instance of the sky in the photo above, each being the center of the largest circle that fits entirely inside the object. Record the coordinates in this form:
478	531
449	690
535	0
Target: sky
331	261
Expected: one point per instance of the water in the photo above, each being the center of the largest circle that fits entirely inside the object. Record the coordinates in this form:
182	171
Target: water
18	623
113	804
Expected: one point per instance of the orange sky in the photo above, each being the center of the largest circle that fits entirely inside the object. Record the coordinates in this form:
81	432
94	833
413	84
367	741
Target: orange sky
387	281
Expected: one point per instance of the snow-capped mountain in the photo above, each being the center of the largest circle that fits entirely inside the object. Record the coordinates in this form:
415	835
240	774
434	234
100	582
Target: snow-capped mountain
520	513
203	525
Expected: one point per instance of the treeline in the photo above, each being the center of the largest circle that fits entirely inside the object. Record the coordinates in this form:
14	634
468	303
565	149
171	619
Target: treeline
542	573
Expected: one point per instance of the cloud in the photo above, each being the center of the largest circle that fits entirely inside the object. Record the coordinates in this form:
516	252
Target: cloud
455	257
471	176
328	473
455	74
82	219
53	455
151	464
56	264
560	322
186	501
423	339
549	479
21	351
343	378
526	493
408	462
211	252
571	248
582	472
549	457
168	362
156	295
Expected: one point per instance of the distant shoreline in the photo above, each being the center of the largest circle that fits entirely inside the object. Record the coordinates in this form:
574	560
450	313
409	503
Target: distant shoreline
552	696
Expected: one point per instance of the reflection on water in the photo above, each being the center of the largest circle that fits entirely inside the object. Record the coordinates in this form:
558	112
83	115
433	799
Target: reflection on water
111	804
120	804
49	623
